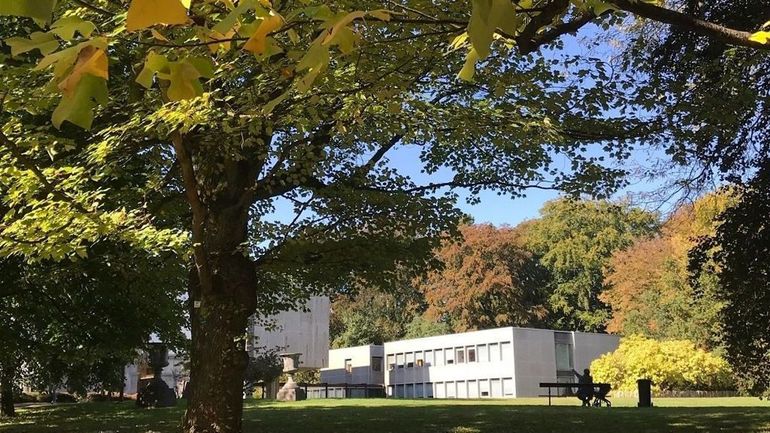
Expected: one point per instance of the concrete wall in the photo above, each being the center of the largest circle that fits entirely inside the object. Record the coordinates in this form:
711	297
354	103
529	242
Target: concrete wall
299	331
535	356
363	372
589	346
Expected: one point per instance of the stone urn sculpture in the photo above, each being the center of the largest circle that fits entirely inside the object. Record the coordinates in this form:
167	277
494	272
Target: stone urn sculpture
291	390
155	392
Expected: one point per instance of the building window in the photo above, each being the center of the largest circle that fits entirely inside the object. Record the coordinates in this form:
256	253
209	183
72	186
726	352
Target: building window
409	360
349	366
508	386
506	350
450	356
439	353
471	354
484	387
418	359
483	353
451	390
494	352
400	360
376	363
429	390
391	362
428	358
440	390
460	355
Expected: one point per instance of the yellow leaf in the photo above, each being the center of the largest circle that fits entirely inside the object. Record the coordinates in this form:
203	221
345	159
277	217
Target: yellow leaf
761	37
92	61
146	13
258	41
469	68
40	10
344	21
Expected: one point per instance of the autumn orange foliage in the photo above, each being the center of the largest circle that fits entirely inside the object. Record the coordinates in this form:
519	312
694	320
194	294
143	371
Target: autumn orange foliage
488	279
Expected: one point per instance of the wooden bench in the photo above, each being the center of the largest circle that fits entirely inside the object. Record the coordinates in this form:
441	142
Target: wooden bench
551	385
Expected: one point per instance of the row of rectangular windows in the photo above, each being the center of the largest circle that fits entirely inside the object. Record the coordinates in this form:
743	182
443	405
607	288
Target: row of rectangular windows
454	389
451	355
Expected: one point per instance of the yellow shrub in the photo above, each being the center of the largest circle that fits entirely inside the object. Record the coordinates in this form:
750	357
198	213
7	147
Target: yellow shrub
672	365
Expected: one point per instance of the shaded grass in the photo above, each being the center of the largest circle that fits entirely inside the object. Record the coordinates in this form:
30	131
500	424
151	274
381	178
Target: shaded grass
441	416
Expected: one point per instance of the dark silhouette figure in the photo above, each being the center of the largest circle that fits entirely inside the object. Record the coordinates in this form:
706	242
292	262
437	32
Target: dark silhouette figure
586	389
601	395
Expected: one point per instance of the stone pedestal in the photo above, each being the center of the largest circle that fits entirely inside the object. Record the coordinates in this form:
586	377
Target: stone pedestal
291	390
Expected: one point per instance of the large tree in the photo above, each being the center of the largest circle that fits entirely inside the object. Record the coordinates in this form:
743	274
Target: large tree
649	287
301	106
487	279
575	240
739	254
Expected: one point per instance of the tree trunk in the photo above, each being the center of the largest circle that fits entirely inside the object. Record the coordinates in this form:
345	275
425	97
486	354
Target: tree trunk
220	316
6	393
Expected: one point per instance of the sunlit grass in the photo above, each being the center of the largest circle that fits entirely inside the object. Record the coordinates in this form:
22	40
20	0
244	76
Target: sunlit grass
441	416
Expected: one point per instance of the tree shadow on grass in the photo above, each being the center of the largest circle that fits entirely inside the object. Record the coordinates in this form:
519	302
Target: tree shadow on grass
363	416
504	418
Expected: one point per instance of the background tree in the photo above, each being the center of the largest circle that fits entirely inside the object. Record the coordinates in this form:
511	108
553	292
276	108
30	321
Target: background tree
575	240
487	279
421	327
365	314
78	324
739	254
253	135
649	287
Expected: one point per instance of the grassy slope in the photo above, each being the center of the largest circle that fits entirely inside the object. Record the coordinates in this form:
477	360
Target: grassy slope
735	415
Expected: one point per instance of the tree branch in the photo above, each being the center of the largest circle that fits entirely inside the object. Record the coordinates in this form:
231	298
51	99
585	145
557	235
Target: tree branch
687	22
198	210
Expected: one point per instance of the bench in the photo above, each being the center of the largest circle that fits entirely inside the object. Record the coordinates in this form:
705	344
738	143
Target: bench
551	385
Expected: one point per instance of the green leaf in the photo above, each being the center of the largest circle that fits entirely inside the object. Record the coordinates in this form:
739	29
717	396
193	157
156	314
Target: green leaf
599	6
204	65
153	64
39	10
67	27
231	19
45	42
78	108
184	81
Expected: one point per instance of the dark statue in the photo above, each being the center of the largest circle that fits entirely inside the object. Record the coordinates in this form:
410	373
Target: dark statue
155	392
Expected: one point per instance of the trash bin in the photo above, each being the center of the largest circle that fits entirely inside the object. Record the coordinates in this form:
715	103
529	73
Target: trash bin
645	392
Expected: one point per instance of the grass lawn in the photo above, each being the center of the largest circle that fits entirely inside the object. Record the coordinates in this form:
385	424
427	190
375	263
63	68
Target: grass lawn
734	415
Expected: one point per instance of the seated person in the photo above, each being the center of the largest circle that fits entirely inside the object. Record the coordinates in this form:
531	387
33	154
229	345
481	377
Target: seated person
585	392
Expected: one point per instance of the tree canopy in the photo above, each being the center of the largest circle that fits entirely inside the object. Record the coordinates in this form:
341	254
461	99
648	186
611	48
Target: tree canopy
248	109
649	286
487	279
575	240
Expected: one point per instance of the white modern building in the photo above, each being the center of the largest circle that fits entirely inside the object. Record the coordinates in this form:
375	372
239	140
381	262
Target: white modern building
360	365
494	363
